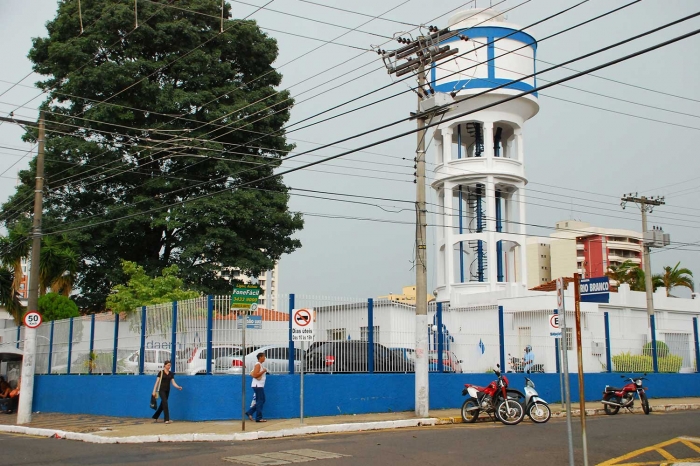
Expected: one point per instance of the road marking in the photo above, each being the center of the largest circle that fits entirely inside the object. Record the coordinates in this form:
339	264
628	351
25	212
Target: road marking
692	444
284	457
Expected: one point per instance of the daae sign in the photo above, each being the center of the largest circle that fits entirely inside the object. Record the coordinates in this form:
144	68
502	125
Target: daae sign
595	290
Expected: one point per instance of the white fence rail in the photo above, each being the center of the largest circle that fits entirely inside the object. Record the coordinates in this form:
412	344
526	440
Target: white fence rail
204	335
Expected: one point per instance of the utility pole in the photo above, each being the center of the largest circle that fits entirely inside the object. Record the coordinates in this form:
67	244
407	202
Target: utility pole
646	205
24	411
419	52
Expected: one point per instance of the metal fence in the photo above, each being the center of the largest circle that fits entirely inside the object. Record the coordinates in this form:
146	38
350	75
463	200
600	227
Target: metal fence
204	336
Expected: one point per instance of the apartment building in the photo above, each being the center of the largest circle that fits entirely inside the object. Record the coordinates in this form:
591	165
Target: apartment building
578	247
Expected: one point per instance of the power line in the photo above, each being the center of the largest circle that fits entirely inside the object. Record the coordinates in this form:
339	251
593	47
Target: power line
460	115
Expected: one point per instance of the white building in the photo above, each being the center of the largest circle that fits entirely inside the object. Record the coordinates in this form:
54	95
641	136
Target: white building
268	281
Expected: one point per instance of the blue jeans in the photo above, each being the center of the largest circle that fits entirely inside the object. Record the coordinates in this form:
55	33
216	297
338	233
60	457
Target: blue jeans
259	402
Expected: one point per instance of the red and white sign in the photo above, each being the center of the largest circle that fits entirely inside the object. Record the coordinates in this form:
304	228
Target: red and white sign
554	330
32	319
302	325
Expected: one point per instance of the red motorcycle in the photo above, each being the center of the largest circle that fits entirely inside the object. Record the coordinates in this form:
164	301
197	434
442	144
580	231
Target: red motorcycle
615	398
495	399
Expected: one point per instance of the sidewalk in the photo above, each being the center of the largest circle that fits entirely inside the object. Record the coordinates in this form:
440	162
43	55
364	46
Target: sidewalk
103	429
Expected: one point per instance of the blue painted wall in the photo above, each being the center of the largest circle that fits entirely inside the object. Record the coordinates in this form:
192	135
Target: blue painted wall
219	397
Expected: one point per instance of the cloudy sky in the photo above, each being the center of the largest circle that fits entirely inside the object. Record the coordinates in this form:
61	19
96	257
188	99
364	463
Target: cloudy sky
585	148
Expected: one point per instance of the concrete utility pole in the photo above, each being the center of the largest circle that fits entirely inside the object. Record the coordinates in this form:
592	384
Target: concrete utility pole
646	205
418	53
24	411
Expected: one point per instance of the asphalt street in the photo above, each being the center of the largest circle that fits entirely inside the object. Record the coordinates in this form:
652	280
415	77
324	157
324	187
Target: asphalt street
479	444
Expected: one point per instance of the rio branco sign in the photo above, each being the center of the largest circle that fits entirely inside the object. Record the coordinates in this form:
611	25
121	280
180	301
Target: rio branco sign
245	296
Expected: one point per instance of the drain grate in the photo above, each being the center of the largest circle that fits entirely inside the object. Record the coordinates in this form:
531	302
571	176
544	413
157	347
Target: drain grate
283	457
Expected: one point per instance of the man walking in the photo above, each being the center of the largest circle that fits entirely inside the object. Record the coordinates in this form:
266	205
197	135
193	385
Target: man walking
259	374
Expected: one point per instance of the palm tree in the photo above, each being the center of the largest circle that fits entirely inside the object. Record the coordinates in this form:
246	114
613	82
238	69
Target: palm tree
13	248
58	265
9	296
622	273
673	277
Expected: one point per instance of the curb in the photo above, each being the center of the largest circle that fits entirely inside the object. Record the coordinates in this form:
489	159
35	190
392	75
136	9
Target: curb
238	437
295	432
589	412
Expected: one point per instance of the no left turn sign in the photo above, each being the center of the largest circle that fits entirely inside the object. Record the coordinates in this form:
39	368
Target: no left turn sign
32	319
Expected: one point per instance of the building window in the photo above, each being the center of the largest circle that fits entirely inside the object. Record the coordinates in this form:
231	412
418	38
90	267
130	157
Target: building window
364	334
569	338
337	334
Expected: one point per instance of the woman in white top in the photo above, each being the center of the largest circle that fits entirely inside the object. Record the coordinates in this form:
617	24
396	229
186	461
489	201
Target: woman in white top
259	374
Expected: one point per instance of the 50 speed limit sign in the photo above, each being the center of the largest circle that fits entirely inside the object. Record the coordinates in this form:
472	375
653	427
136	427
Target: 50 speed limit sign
32	319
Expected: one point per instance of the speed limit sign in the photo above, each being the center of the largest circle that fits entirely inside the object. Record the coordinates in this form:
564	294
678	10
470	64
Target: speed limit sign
32	319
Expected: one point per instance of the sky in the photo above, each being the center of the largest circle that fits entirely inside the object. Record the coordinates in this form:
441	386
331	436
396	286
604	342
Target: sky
579	158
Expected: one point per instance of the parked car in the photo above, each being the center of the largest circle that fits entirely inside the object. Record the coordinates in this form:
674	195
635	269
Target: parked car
80	364
153	361
197	358
351	356
450	363
276	361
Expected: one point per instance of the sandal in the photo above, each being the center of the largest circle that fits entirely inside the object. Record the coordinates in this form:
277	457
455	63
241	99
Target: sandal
168	422
251	417
261	420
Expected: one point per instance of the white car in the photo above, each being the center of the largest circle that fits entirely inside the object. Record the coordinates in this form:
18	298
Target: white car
197	358
276	360
153	361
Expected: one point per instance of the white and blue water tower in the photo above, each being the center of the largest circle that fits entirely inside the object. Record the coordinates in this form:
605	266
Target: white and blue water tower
479	172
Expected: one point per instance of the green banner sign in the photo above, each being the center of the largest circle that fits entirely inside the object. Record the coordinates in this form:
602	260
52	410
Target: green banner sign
244	296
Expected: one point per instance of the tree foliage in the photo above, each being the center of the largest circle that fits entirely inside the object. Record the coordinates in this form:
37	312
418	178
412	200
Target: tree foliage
142	290
54	306
677	276
158	186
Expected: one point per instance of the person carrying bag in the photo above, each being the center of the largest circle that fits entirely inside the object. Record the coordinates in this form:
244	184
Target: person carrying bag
154	395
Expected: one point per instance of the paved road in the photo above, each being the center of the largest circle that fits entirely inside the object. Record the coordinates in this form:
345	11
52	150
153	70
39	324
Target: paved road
482	444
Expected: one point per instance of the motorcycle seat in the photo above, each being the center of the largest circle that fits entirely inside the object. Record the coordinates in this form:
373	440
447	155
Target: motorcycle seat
612	389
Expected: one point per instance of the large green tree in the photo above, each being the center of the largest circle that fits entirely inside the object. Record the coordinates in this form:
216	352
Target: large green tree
129	160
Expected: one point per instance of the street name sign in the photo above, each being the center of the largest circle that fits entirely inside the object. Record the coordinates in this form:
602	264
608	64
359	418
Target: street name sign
595	290
302	325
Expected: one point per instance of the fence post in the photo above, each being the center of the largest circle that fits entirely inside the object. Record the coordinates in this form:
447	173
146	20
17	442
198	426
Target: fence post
608	360
19	334
291	342
173	340
697	344
142	351
70	343
501	339
654	356
116	343
51	347
370	335
441	339
92	342
210	331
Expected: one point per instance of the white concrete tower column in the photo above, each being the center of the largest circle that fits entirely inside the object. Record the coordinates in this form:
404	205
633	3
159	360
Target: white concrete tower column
446	144
449	230
522	260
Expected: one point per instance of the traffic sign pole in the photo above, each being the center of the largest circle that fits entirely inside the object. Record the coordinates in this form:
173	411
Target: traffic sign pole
303	331
579	353
565	362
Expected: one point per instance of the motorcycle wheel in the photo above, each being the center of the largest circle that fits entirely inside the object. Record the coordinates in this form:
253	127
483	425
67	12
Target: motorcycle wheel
645	403
510	414
609	409
539	413
470	410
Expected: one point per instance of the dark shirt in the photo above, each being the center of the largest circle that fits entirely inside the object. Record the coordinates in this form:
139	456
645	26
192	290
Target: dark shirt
165	381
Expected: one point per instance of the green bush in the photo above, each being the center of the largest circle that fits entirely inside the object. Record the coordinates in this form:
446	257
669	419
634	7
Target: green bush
628	363
661	349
